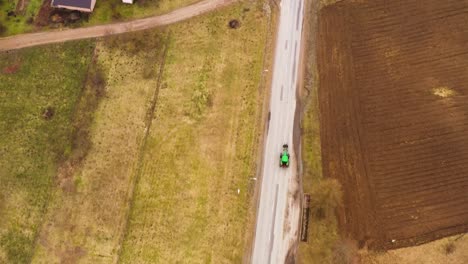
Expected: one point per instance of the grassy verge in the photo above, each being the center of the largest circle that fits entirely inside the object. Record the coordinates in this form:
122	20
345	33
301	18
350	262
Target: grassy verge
39	91
322	245
13	21
191	199
85	221
114	10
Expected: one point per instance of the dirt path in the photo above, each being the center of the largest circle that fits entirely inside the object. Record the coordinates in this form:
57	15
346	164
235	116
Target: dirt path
34	39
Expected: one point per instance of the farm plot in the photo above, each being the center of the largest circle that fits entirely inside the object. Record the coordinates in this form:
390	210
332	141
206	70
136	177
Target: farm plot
393	92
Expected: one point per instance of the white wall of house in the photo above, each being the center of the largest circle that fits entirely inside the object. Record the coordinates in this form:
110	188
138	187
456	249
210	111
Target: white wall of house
93	3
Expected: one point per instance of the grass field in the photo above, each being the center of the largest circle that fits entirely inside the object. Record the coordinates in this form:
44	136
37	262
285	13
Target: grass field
32	145
22	20
86	219
129	166
114	10
199	151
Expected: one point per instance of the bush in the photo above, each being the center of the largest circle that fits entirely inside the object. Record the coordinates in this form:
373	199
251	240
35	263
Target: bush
325	197
449	248
345	252
2	29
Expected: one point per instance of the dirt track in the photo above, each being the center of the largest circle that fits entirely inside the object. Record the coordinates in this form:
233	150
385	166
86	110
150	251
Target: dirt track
34	39
393	93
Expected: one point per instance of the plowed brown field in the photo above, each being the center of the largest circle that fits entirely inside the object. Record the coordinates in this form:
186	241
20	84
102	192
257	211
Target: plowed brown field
393	92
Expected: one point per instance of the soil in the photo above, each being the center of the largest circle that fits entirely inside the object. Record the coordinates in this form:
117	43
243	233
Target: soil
393	92
11	69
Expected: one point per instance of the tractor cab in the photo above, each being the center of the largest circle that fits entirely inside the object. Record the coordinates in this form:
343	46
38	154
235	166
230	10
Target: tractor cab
284	157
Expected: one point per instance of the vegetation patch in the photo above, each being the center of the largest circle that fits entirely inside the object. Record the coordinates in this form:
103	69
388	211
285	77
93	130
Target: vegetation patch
86	219
323	242
37	104
199	150
16	19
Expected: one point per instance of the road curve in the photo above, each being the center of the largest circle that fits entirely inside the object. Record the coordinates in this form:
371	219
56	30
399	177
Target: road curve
40	38
278	214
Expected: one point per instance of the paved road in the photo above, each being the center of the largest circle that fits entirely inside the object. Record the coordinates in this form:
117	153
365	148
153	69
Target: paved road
278	214
34	39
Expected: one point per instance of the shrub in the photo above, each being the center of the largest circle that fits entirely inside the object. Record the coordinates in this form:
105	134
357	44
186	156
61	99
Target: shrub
345	252
325	196
2	29
449	248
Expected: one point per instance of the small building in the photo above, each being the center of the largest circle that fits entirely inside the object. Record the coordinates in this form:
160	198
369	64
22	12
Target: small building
127	1
80	5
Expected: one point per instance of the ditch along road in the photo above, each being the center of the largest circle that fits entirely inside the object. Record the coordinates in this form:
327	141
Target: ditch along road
41	38
277	226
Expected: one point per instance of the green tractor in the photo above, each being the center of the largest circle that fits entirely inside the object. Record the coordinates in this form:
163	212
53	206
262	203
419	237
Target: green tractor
284	157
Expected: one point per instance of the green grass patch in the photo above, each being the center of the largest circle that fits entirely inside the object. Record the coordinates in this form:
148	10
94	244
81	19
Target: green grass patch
39	90
19	22
200	147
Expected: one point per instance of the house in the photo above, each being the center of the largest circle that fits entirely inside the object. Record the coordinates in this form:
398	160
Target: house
80	5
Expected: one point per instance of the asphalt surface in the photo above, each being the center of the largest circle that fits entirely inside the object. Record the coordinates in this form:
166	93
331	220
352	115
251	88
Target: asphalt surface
278	214
41	38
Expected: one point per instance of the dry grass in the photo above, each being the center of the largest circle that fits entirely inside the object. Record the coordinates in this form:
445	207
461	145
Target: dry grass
85	222
345	252
200	148
198	153
453	250
443	92
328	2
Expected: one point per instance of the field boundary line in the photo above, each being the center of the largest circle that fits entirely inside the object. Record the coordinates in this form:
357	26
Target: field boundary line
138	171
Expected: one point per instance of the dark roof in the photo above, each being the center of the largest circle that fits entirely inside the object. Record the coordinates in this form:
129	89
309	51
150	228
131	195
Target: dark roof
74	3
